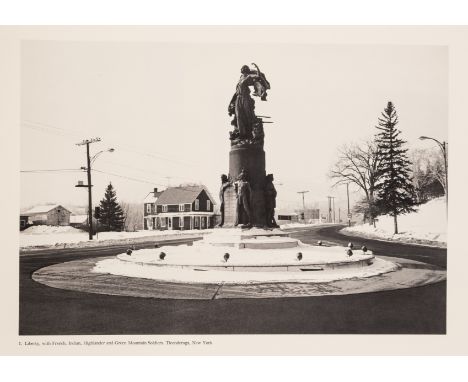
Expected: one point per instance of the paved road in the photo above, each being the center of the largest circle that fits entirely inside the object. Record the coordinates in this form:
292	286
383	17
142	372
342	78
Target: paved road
49	311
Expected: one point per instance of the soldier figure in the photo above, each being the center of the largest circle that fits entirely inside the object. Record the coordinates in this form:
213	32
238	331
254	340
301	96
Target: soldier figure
243	193
270	202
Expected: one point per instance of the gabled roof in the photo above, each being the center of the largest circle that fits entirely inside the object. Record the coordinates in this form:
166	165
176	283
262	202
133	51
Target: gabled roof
42	209
152	197
181	195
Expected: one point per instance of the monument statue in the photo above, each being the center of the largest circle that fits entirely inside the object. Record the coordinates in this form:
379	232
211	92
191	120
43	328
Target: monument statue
243	195
270	202
242	105
225	183
244	201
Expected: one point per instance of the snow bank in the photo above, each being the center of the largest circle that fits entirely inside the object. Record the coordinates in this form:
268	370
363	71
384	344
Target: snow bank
49	229
428	225
66	236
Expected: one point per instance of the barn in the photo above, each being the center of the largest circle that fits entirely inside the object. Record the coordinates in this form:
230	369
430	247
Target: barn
48	215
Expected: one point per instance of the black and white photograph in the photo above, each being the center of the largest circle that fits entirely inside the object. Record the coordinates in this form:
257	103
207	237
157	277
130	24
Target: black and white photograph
184	183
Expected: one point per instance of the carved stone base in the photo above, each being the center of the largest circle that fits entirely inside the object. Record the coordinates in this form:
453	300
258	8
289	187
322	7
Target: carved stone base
251	158
229	207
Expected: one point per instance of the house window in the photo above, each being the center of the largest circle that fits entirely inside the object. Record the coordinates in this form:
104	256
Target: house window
181	221
195	222
181	207
197	204
148	208
208	205
163	222
164	208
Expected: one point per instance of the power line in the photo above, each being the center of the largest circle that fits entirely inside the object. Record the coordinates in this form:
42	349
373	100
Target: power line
50	129
54	170
48	126
141	169
152	155
128	177
58	131
187	188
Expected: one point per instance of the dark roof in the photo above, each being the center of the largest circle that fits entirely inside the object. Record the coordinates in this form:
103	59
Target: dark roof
180	195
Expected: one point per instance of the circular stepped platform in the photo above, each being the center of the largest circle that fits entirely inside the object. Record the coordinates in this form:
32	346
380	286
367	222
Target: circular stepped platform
238	263
250	259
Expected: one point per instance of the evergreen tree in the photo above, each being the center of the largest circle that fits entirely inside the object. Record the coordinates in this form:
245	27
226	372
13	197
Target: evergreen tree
395	189
112	216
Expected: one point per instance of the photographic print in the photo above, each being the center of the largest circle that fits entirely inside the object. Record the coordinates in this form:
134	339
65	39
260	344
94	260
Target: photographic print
183	185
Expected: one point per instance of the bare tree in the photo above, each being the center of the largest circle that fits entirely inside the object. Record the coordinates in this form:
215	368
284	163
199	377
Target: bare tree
438	170
133	216
359	165
428	173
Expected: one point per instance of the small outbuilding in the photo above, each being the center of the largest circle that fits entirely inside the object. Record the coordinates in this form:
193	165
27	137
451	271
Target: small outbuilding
24	222
287	218
48	215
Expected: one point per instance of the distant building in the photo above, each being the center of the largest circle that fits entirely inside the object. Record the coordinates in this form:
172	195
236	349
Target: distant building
24	222
179	208
287	218
311	215
48	215
80	221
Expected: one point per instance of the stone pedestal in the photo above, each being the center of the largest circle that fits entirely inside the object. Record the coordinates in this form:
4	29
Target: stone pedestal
251	158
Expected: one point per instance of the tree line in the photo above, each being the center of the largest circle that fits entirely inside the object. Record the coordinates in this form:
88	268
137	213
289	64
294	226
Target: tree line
393	180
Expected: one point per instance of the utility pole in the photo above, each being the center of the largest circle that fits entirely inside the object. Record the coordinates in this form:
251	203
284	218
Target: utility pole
349	213
334	219
331	200
303	201
89	185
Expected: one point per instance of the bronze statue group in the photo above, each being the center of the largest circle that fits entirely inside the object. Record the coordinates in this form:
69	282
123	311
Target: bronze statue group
243	200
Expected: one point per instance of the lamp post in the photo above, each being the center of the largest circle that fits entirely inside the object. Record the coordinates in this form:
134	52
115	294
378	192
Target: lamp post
443	147
89	185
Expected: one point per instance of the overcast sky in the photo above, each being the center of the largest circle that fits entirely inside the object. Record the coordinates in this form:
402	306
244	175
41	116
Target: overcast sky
163	107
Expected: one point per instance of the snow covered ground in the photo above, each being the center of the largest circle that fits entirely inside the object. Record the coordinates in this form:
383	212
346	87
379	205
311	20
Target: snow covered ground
428	225
44	236
52	236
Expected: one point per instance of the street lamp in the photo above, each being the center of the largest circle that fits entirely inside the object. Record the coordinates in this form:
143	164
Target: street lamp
443	147
111	150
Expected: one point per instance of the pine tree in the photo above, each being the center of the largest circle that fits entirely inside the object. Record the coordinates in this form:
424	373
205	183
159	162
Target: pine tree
395	189
112	216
